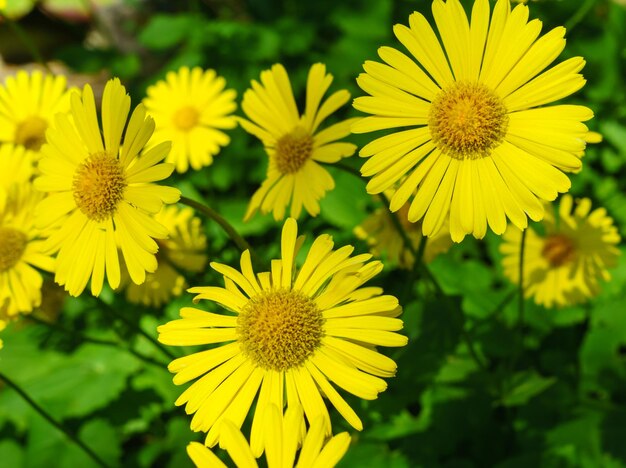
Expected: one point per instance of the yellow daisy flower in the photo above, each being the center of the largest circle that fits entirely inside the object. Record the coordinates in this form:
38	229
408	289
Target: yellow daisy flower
282	442
475	147
564	265
102	192
184	250
21	252
383	237
28	102
16	168
293	143
189	108
297	329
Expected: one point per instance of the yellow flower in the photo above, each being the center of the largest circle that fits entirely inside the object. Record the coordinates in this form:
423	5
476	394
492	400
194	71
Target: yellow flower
189	108
282	443
16	168
564	265
184	250
293	143
102	192
297	329
21	252
383	237
475	147
28	102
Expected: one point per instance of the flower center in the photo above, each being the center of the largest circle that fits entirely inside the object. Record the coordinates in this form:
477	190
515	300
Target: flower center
467	121
186	118
12	246
98	186
280	329
558	250
293	150
31	133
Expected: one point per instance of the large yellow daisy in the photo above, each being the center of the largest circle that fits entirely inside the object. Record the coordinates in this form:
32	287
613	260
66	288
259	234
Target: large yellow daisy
28	102
289	332
294	143
184	250
477	142
102	191
564	264
21	253
190	108
282	443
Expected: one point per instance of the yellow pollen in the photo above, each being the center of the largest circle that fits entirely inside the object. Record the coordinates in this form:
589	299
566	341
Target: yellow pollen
293	150
186	118
558	250
467	121
280	329
12	246
31	133
98	186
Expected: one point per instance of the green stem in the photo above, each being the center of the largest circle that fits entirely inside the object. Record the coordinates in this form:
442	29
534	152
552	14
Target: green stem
27	42
520	305
53	421
579	15
417	265
134	326
225	225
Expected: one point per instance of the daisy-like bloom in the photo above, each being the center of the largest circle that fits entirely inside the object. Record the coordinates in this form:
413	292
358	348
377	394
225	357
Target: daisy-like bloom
564	265
190	108
22	251
282	442
28	102
16	168
476	142
290	332
102	191
184	250
294	143
384	239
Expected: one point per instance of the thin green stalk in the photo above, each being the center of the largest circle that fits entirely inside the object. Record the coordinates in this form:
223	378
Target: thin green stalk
579	15
225	225
137	328
520	305
53	421
27	42
417	265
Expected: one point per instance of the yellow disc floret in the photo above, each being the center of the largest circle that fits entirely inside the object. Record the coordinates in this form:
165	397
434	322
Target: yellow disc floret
12	246
186	118
558	250
31	133
293	150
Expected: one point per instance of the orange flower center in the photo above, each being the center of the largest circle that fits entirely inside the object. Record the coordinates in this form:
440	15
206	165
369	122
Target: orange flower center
12	246
293	150
467	121
98	186
186	118
31	133
280	329
558	250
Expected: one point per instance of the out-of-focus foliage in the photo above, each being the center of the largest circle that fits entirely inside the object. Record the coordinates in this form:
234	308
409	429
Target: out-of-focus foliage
547	391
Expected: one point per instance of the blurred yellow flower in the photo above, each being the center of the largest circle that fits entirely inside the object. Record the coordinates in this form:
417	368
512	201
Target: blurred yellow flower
183	250
16	168
28	102
190	108
474	146
292	329
282	443
102	193
564	265
21	252
294	143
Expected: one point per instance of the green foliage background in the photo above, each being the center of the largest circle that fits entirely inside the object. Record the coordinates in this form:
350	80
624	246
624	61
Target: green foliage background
550	391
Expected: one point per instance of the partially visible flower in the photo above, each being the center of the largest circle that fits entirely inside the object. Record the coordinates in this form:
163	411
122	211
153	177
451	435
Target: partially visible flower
102	192
564	266
183	250
190	108
16	168
28	102
384	239
475	138
289	332
295	145
282	443
21	253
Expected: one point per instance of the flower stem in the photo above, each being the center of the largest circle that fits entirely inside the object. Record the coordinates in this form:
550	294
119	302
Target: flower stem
53	421
225	225
520	305
579	15
27	42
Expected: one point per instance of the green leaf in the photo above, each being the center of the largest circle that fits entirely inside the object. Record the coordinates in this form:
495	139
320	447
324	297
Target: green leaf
526	385
165	31
345	206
